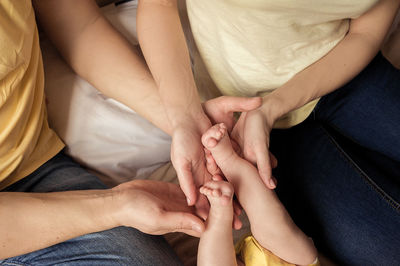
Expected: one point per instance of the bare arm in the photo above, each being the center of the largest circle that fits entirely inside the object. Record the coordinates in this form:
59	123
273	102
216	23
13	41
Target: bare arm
32	221
98	53
164	47
340	65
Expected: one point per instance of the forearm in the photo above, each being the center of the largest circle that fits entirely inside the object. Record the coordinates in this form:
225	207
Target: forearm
164	47
339	66
32	221
99	54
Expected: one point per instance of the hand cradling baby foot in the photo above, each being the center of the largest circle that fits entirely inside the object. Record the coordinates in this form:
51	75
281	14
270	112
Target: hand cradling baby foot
216	141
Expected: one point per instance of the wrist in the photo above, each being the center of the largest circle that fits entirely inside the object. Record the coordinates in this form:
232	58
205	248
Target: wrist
112	208
272	107
195	119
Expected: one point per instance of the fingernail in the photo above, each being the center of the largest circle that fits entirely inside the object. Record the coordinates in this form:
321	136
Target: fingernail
272	183
196	228
188	201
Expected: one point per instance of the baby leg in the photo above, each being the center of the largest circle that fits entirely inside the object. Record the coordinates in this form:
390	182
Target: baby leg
216	243
270	223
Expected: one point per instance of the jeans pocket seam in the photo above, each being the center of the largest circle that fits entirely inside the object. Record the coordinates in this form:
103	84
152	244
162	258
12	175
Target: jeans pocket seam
368	180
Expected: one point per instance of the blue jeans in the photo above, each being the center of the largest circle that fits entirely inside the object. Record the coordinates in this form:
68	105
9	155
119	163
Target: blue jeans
118	246
339	171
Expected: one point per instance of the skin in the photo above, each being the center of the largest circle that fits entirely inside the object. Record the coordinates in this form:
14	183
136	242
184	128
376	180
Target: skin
218	234
270	223
332	71
102	56
179	96
32	221
391	49
169	62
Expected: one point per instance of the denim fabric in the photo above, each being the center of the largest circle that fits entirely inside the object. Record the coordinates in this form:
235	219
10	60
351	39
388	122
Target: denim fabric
118	246
339	171
367	109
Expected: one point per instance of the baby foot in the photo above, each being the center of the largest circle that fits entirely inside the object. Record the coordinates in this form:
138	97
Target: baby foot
217	141
213	135
216	243
219	193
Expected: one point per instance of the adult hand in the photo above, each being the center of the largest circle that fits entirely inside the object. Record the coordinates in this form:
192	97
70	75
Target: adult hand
156	208
221	109
187	156
252	132
187	152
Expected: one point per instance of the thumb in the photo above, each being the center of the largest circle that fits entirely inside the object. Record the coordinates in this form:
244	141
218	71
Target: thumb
264	168
241	104
186	182
183	222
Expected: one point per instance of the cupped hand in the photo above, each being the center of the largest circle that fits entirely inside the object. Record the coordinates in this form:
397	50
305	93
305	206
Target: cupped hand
187	154
252	133
156	208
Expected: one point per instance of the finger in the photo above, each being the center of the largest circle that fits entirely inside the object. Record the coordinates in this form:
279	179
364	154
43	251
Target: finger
237	223
236	147
237	131
217	177
186	182
250	155
191	233
241	104
237	208
264	168
274	161
202	207
275	181
182	222
211	165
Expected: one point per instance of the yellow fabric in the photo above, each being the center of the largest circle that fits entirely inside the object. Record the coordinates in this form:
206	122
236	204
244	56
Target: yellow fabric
253	254
252	47
26	141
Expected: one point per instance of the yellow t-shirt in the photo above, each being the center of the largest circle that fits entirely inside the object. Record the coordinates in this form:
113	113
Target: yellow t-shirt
26	141
251	47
